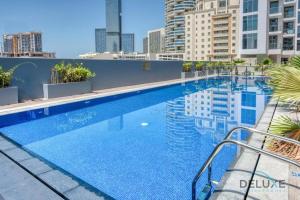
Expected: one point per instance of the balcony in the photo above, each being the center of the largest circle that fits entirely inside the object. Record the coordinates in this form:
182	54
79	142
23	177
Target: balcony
289	31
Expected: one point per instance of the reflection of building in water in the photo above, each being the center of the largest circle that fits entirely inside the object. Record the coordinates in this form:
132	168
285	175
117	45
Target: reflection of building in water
218	110
181	135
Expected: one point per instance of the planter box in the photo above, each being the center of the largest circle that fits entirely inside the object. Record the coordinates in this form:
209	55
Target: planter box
66	89
8	95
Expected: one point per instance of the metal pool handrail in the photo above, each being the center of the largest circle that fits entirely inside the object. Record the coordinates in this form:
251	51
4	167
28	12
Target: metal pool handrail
255	149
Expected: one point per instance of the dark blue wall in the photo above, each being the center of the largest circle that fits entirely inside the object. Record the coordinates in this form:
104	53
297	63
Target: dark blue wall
30	76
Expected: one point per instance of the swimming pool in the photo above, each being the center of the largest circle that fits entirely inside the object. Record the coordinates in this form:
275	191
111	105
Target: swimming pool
143	145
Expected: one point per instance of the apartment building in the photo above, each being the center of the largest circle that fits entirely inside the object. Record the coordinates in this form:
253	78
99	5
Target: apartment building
175	11
28	44
156	41
212	31
270	28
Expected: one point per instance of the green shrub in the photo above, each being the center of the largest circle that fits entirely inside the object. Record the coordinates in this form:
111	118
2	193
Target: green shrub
65	73
187	66
199	66
5	77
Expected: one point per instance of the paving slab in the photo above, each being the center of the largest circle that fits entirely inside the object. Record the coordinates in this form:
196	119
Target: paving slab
6	145
18	154
17	184
59	181
36	166
80	193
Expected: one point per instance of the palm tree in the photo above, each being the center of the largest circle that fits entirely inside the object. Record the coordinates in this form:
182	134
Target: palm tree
290	128
286	85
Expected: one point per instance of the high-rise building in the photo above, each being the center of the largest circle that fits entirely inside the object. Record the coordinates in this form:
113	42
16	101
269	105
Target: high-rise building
24	44
212	31
113	25
145	45
269	28
100	40
175	24
156	41
127	42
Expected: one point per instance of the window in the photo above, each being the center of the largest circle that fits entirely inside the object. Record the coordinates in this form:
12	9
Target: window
299	16
248	116
222	3
273	42
298	45
288	12
288	27
298	31
288	44
250	23
249	99
250	6
250	41
273	25
274	7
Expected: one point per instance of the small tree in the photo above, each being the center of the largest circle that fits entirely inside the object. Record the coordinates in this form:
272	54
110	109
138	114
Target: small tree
238	62
187	66
199	65
265	64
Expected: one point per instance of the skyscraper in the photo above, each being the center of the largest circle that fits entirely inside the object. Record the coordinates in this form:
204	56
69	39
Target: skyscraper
100	40
175	24
145	45
156	43
113	25
127	42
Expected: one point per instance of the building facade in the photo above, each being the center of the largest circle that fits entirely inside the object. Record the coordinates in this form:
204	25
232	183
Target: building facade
175	24
27	44
156	41
100	40
114	56
127	42
113	25
145	45
269	28
212	31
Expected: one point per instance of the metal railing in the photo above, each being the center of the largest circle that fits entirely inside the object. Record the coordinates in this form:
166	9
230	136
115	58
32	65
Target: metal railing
226	140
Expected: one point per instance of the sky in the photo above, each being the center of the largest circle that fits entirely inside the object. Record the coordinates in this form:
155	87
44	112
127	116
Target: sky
68	26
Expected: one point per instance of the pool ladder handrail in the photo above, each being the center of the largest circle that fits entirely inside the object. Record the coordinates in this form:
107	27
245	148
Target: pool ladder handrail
227	140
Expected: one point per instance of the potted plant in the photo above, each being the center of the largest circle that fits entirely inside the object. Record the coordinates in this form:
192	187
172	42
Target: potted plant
199	66
285	82
186	68
8	93
68	80
238	62
264	65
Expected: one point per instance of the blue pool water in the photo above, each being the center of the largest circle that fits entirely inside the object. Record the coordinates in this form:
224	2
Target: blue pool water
143	145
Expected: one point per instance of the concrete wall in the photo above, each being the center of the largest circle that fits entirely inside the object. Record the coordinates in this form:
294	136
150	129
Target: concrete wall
30	76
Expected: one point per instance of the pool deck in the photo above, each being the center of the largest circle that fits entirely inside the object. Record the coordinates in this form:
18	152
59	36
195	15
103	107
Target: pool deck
260	169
